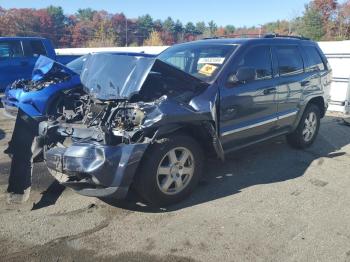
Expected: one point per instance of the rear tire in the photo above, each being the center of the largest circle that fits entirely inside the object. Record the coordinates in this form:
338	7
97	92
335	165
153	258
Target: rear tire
170	170
305	134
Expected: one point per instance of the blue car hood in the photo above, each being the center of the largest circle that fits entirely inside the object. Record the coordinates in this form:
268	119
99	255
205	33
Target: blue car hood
45	65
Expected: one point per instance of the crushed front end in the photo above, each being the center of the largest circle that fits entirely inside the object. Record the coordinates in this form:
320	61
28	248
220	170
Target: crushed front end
96	146
93	169
94	150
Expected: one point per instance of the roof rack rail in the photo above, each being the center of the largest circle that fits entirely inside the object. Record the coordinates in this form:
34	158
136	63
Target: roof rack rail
286	36
231	36
212	37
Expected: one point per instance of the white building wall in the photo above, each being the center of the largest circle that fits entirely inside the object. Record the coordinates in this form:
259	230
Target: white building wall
338	54
83	51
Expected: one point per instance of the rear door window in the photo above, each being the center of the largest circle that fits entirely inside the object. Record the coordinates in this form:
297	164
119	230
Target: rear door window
314	62
36	48
11	49
289	60
259	58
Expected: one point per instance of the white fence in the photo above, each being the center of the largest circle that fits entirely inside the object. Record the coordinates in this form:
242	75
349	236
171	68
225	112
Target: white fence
140	49
338	54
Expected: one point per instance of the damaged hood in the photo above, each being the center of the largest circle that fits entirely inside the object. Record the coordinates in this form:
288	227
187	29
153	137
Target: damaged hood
111	77
45	65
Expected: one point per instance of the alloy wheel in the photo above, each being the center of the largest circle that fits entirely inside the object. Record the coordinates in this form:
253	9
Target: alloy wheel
175	171
310	127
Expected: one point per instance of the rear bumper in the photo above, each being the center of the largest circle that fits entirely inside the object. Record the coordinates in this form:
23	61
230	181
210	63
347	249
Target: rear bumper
96	170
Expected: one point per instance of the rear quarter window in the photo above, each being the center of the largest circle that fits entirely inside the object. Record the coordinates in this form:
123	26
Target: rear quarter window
289	60
314	60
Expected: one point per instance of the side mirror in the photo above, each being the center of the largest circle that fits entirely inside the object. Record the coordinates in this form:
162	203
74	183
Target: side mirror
243	75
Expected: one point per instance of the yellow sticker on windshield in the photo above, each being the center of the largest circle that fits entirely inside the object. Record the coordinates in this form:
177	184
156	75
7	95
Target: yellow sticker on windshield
208	70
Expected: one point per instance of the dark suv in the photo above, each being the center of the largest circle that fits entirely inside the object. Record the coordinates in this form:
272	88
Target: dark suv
149	123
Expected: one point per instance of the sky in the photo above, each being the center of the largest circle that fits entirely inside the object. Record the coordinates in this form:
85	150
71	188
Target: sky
223	12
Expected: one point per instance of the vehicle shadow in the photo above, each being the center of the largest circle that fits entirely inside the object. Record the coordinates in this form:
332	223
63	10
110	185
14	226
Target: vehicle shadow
50	196
269	162
45	189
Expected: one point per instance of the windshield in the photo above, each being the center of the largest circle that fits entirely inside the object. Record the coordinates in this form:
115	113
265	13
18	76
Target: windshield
77	64
201	61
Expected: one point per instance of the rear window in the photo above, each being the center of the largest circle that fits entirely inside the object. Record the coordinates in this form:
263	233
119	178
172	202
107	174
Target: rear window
11	49
314	62
258	58
37	48
289	60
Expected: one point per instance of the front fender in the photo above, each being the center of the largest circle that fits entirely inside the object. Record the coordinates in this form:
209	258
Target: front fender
37	103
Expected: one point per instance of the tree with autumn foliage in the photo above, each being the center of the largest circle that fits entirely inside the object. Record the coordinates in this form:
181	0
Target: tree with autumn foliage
321	20
343	21
153	40
327	10
311	24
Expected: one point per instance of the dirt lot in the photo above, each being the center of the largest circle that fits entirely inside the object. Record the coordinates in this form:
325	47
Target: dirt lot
266	203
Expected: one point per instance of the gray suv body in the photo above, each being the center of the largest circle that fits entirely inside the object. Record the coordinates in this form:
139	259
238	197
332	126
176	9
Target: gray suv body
149	123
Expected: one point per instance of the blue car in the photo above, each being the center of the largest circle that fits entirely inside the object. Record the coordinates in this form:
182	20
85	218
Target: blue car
49	78
18	56
37	96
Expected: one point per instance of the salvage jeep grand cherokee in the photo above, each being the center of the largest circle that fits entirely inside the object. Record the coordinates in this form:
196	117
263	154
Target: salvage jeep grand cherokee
150	122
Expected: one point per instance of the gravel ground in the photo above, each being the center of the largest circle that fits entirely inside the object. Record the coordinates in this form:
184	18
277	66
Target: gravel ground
265	203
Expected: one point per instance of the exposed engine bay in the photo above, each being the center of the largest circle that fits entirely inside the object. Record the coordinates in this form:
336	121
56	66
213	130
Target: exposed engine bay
36	85
90	115
116	121
46	72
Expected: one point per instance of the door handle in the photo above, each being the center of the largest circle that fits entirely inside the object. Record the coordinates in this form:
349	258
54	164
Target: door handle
24	63
231	110
270	91
305	83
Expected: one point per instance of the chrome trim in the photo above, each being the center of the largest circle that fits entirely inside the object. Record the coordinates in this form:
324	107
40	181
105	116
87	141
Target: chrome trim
287	115
249	127
258	124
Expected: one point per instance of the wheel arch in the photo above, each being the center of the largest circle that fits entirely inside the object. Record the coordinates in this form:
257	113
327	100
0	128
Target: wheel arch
57	97
202	132
320	103
315	100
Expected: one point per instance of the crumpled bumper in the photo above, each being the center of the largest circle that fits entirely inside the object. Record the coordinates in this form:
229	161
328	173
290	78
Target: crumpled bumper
93	169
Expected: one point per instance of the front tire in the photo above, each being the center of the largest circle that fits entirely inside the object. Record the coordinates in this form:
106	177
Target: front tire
170	170
305	134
